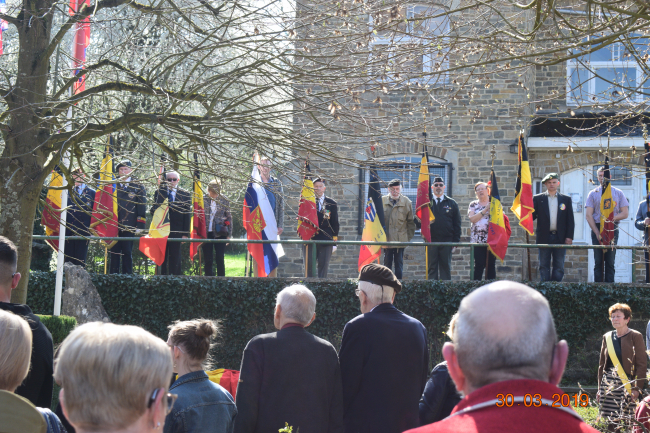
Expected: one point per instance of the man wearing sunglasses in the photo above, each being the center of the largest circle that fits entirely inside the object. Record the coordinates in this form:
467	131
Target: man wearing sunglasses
445	228
180	213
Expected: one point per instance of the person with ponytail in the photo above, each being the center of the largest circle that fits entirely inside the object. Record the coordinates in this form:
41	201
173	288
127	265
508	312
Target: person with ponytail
202	405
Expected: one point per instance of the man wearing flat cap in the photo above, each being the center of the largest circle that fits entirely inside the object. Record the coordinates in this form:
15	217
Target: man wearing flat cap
555	225
445	228
384	359
400	227
131	216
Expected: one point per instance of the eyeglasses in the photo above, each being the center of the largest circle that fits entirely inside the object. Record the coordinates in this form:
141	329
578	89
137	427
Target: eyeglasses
171	398
358	291
172	179
438	184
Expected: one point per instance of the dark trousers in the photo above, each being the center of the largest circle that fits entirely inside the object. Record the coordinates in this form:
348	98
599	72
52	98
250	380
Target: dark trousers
172	263
482	257
609	257
439	262
323	256
122	252
76	252
557	254
214	252
395	255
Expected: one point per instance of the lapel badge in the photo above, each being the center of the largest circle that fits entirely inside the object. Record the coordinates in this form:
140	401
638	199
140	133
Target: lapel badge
131	195
562	206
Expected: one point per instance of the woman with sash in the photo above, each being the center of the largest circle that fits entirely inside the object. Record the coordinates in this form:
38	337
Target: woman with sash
622	369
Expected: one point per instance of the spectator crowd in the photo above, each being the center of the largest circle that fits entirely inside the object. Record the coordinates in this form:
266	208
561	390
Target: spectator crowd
503	342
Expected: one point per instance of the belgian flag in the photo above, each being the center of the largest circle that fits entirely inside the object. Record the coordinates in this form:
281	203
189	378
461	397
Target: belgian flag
607	205
198	228
424	198
103	222
307	213
51	218
498	227
523	207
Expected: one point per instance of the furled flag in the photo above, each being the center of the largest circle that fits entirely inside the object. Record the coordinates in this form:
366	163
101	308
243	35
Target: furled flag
498	227
198	229
260	224
307	213
229	379
607	206
104	221
646	147
80	43
423	201
51	218
523	204
154	244
4	26
373	223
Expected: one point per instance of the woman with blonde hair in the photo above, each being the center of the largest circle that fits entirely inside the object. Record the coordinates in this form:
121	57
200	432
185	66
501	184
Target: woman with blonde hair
17	412
479	216
115	378
621	370
202	406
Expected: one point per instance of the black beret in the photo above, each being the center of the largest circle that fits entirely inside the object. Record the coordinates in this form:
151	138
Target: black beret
125	163
394	182
438	179
380	275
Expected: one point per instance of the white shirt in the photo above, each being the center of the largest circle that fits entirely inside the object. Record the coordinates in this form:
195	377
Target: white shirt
321	202
80	188
437	199
552	211
213	211
124	183
173	194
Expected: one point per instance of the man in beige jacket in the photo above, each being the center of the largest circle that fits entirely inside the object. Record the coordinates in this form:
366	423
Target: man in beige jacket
400	227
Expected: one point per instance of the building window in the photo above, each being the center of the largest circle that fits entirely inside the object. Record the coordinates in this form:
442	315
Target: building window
409	44
620	175
610	74
537	186
407	170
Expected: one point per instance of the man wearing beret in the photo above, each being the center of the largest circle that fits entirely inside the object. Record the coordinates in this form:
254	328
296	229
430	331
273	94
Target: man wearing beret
400	227
131	216
555	225
384	359
445	228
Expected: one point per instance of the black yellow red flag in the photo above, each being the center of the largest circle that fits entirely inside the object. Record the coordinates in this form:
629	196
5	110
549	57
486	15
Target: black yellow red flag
523	207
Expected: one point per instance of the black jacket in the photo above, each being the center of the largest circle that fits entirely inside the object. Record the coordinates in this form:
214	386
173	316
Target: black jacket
565	222
180	211
80	210
328	227
446	227
37	387
289	376
384	364
131	205
440	396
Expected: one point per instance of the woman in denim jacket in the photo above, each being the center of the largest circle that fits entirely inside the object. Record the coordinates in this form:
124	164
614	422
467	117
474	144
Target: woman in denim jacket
202	406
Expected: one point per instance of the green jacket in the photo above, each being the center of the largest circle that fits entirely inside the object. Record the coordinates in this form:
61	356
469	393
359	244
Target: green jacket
400	226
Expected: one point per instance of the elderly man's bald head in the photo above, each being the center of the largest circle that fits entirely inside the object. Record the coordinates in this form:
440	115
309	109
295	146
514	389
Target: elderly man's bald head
504	331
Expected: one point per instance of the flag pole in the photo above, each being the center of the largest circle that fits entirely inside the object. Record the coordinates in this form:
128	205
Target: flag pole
530	269
426	248
646	253
487	255
105	258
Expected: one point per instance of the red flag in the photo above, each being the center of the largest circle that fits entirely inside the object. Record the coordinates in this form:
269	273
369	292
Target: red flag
499	226
423	201
307	212
523	207
80	43
104	220
198	229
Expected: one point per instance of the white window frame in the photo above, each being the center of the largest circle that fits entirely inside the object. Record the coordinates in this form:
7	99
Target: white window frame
589	68
428	60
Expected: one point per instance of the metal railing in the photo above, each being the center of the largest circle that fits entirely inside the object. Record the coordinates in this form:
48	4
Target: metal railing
313	244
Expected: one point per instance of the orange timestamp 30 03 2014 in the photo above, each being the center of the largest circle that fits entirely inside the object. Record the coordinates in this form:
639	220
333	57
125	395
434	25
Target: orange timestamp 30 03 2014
536	400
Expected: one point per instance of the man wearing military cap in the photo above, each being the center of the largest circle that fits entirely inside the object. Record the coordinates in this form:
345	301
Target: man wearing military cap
131	216
384	359
555	225
400	227
445	228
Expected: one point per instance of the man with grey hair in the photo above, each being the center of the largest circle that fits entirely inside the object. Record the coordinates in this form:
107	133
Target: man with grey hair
506	359
290	376
384	359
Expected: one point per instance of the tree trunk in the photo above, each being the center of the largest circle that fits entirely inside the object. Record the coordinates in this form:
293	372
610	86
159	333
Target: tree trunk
26	137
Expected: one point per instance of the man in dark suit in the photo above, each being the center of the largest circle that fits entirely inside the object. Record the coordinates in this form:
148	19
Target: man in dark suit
555	225
290	376
77	223
131	215
180	213
328	229
384	359
444	228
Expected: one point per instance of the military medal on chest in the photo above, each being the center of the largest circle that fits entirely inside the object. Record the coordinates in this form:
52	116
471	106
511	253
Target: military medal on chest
326	214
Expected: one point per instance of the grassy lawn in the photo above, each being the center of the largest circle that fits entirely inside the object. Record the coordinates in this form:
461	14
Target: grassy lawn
235	264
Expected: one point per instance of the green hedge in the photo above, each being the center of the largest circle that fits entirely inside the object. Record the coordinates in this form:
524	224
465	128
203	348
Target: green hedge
59	326
245	307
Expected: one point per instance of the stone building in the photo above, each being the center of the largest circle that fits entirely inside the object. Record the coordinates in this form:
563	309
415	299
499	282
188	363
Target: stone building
487	113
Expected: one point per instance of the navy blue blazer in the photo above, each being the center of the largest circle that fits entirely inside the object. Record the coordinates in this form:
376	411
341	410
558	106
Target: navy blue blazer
80	209
384	364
